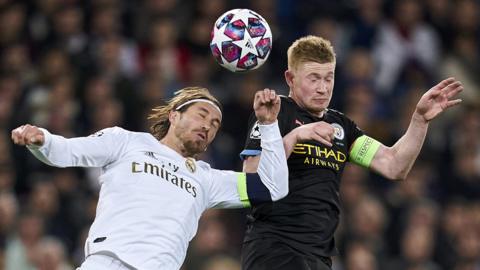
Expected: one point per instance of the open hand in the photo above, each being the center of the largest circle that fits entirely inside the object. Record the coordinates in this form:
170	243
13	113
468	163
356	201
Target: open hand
439	98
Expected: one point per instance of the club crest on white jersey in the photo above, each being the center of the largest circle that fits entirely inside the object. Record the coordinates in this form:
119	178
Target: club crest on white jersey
190	164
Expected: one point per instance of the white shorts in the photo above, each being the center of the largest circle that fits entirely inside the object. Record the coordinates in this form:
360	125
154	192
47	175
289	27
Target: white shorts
102	261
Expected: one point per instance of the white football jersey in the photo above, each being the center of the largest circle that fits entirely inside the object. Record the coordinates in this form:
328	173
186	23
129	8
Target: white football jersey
151	197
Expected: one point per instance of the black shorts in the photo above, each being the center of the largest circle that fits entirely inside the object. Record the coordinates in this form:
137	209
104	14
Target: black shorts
271	254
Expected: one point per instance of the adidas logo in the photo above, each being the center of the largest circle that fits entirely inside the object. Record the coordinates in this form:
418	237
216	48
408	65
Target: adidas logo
150	154
249	44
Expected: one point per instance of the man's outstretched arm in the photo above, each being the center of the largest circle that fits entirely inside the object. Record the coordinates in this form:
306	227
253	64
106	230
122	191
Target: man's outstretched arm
396	161
94	151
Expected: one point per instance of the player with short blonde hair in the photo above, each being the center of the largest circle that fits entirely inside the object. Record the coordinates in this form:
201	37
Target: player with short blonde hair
297	231
310	49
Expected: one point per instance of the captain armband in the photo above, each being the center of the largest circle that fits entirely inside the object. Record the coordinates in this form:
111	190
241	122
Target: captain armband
363	151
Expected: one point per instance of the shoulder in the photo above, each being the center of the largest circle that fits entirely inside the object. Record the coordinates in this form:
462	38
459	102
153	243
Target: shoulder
207	170
115	131
337	116
121	131
336	112
287	102
343	125
203	165
287	107
204	171
122	134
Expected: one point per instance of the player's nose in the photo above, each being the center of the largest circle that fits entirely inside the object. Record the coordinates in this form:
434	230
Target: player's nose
206	126
322	87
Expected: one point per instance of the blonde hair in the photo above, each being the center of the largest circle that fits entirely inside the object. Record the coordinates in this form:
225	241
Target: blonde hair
159	115
310	49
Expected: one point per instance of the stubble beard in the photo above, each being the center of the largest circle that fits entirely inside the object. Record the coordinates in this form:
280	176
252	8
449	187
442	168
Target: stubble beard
194	148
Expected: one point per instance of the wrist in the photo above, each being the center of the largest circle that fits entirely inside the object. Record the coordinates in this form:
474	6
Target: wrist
270	132
266	121
296	135
419	118
291	137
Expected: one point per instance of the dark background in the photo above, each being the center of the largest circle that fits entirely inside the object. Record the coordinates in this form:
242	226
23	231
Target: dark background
75	67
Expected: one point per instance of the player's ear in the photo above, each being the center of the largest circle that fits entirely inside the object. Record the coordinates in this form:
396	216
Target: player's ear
173	117
289	77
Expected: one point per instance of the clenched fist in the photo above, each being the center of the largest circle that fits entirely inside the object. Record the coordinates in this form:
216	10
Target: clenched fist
266	105
28	135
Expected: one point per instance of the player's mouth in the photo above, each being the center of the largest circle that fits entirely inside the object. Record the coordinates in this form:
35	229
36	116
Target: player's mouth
320	100
202	135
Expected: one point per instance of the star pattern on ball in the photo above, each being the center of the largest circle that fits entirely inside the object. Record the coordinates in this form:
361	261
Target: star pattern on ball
247	44
241	40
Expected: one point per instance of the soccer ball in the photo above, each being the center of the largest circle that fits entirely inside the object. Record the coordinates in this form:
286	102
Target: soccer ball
241	40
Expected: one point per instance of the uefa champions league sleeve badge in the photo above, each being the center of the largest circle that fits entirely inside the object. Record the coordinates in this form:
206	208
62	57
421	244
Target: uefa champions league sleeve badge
255	133
190	164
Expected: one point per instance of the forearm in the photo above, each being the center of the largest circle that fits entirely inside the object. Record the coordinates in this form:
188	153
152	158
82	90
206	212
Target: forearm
406	149
289	142
272	167
250	164
75	152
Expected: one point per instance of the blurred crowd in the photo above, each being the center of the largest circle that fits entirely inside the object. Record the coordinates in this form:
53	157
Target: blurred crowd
75	67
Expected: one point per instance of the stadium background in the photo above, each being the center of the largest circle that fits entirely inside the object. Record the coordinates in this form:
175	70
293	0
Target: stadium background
75	67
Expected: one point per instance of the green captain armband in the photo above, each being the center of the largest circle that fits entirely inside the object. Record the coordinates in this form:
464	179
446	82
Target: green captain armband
242	189
363	151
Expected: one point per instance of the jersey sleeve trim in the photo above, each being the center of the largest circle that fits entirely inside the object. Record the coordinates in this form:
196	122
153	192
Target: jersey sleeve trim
36	149
251	189
242	189
257	191
249	152
363	150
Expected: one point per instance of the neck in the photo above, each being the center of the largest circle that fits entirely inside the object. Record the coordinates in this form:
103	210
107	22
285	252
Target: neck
318	114
175	144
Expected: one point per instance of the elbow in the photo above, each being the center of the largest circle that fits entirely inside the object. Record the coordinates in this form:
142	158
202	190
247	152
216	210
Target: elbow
399	175
282	194
397	178
393	168
283	189
402	176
